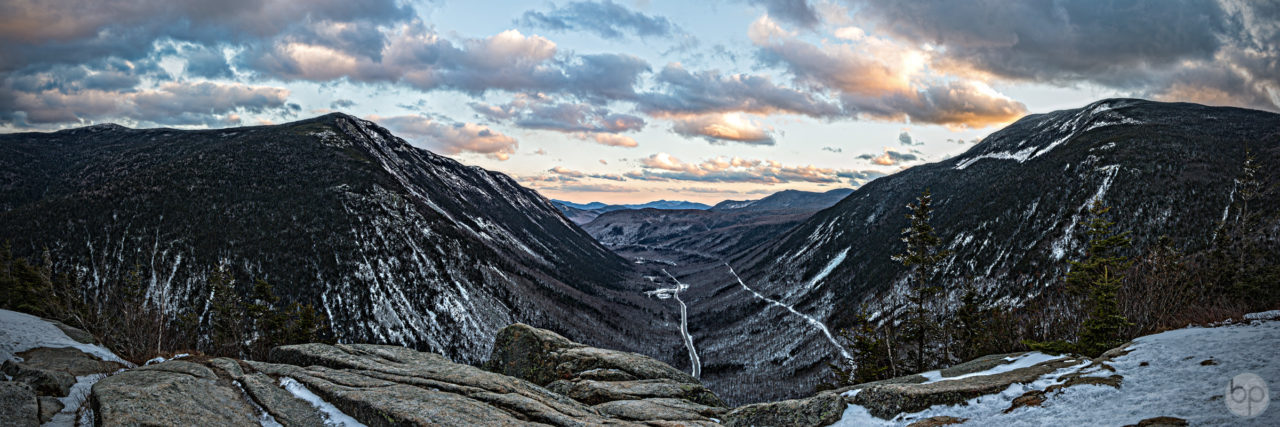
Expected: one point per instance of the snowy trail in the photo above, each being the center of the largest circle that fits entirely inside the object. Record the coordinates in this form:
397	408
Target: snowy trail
826	332
695	362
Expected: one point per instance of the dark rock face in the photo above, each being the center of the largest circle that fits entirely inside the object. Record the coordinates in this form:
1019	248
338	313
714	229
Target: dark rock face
820	410
18	405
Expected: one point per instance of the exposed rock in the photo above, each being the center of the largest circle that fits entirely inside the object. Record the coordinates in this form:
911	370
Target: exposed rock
820	410
659	409
49	406
1161	422
1208	362
596	392
887	400
978	365
382	385
1030	398
941	420
18	405
541	356
52	371
77	334
1073	380
169	393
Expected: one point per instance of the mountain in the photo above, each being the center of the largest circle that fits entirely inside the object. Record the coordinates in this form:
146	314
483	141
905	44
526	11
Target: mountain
1012	208
581	213
728	228
394	244
787	200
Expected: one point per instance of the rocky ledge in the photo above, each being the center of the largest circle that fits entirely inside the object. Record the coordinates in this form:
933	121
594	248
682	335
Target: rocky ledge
533	377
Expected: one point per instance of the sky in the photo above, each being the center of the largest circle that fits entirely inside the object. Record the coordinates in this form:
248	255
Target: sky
631	101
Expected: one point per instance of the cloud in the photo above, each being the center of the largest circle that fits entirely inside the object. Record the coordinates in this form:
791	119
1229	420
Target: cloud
683	92
904	138
832	149
338	104
171	103
890	157
665	167
1220	52
450	137
540	112
611	139
878	78
605	19
597	188
723	127
796	12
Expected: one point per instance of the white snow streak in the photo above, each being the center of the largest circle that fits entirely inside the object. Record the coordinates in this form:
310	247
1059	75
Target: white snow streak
835	262
332	416
806	317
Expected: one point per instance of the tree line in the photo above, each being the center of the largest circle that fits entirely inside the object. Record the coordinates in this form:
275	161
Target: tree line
230	318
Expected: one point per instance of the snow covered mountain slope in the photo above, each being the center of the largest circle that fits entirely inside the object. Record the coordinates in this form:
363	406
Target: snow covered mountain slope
1182	374
393	243
1012	209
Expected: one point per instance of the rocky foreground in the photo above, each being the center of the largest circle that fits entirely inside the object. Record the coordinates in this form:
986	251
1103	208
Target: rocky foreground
537	377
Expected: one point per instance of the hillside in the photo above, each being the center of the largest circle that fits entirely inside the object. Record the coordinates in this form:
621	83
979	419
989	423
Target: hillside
728	228
394	244
1010	208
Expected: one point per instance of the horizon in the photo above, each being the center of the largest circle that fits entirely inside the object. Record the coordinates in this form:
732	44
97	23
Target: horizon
635	101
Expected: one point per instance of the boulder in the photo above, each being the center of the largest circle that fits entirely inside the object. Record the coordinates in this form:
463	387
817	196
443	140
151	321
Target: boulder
52	371
77	334
1161	422
18	405
596	392
941	420
541	356
659	409
820	410
887	400
170	393
49	406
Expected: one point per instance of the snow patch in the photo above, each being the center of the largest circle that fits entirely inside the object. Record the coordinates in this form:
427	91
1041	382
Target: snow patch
1020	156
332	415
835	262
22	332
1018	362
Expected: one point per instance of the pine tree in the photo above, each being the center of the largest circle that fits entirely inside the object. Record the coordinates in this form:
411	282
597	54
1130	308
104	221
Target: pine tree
921	257
269	323
970	325
226	316
1100	275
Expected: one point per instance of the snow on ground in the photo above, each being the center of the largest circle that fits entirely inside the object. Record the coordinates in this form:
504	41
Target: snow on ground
20	332
332	415
812	321
1016	362
1163	376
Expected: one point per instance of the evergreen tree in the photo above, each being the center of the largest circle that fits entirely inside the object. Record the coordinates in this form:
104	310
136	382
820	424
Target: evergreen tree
226	316
1099	277
971	325
921	257
269	323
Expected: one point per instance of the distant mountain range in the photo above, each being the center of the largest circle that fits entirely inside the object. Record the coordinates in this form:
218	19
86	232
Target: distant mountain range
393	243
582	213
724	230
